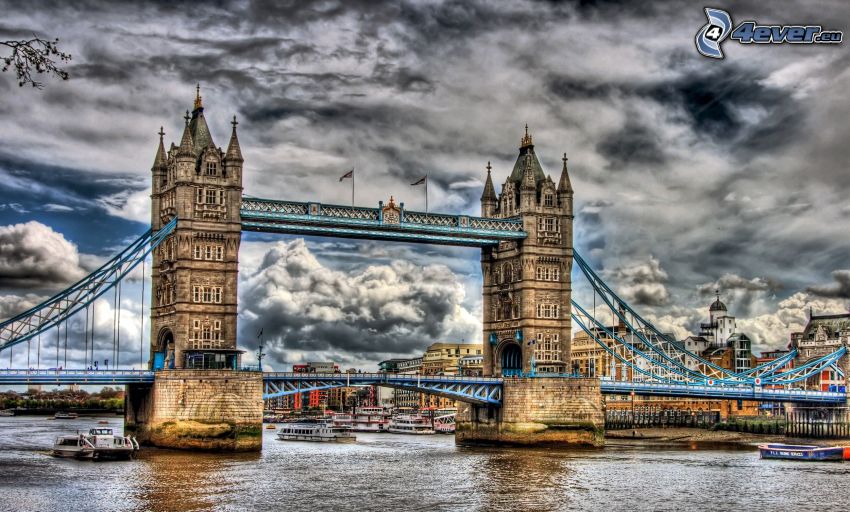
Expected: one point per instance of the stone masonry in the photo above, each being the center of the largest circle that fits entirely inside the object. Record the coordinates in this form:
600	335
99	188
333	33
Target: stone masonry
195	269
526	289
218	410
547	411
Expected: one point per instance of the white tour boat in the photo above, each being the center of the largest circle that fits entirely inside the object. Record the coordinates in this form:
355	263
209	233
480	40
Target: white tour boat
98	444
315	431
410	424
371	419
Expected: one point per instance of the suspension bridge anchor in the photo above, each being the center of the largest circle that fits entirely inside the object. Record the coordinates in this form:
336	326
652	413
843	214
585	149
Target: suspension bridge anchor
537	411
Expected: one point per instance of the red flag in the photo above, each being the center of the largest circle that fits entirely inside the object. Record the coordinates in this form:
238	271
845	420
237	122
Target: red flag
349	174
421	181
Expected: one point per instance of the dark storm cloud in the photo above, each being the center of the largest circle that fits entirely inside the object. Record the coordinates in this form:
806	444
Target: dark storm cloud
839	289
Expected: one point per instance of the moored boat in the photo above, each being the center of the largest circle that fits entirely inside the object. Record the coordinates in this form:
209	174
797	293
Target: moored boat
65	416
323	432
98	444
410	424
445	424
801	452
370	419
341	419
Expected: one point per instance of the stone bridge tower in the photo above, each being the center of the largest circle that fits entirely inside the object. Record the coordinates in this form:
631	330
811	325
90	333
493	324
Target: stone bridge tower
195	270
527	283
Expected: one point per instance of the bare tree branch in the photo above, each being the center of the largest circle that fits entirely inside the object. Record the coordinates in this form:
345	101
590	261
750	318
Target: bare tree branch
36	54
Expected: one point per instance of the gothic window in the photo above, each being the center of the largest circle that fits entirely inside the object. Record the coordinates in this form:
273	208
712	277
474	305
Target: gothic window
219	253
197	252
207	294
548	200
212	169
212	196
547	310
507	310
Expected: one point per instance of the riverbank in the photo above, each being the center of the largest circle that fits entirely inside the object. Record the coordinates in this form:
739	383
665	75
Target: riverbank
696	437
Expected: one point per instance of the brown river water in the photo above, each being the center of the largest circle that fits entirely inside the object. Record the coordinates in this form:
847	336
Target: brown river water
388	472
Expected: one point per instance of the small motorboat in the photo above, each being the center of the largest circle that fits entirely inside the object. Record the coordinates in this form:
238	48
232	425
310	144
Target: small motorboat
801	452
65	416
103	422
270	426
98	444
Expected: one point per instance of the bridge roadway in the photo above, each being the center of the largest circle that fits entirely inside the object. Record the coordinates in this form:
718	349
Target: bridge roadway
480	390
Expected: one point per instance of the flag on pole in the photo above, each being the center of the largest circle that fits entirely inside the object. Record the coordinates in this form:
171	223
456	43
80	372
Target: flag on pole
424	180
349	174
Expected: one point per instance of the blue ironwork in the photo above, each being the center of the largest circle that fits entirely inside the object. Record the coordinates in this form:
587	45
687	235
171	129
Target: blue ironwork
54	376
756	393
477	390
267	215
58	308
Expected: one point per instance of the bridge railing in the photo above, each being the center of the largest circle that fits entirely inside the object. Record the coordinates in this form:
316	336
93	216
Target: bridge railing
254	208
380	377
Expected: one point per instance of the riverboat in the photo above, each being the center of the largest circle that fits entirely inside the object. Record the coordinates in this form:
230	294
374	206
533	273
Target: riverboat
342	419
445	424
410	424
322	432
98	444
65	416
801	452
370	419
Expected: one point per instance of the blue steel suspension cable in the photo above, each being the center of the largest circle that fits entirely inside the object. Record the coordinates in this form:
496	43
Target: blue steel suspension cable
142	322
597	283
625	343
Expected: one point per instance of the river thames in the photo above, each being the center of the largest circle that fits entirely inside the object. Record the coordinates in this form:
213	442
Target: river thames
398	472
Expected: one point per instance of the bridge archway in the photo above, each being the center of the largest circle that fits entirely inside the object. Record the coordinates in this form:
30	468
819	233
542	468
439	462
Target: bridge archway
164	355
511	359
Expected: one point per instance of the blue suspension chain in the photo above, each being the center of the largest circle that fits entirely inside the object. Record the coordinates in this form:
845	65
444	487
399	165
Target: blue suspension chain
142	329
118	340
86	338
66	343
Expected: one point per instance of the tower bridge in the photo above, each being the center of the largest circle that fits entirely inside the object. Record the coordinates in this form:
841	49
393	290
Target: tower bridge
525	233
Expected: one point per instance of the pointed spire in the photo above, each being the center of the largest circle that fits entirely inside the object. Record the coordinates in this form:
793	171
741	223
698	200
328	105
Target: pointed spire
564	184
198	104
186	147
160	160
526	140
489	191
234	152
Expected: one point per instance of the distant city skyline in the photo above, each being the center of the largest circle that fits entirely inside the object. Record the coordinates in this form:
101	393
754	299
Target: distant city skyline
690	175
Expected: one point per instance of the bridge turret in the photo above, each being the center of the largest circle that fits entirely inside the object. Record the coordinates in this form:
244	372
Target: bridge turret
565	189
159	171
488	198
527	283
196	268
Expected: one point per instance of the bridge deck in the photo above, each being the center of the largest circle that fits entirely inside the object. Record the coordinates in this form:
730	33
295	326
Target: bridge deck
482	390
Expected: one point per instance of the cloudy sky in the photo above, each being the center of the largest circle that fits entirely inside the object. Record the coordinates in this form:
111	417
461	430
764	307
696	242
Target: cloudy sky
690	173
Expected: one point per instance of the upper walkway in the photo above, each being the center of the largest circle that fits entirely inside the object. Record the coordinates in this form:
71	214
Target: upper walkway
396	223
479	390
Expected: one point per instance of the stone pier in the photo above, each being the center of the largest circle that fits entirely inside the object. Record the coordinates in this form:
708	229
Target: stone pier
537	411
214	410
